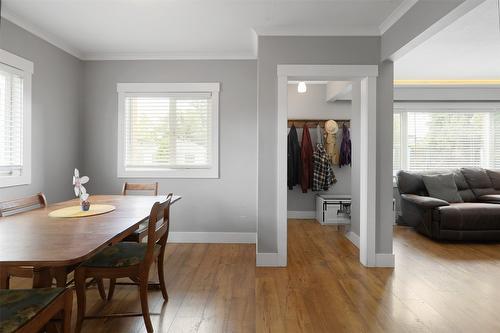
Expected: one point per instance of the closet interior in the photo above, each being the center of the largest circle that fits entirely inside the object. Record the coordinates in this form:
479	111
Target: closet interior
320	152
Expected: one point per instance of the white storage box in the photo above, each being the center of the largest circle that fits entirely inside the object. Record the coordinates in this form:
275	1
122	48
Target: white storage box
333	209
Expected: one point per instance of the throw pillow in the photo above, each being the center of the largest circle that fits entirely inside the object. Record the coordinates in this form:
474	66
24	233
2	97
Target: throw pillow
442	187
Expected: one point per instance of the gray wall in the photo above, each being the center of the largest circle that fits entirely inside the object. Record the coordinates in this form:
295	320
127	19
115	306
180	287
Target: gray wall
56	94
414	23
293	50
228	204
313	105
385	114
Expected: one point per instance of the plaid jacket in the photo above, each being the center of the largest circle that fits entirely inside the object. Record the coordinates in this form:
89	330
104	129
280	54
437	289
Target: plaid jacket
323	175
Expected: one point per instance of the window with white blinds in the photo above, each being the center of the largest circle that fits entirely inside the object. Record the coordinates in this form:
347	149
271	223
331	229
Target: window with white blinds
433	136
168	131
15	99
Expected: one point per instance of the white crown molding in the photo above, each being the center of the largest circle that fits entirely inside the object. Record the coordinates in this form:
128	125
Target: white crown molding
167	56
400	10
340	30
48	37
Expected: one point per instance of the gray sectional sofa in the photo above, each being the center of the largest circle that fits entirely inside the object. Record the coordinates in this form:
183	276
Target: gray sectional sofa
472	215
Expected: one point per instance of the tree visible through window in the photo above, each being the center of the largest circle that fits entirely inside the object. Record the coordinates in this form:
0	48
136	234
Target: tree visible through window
168	130
444	136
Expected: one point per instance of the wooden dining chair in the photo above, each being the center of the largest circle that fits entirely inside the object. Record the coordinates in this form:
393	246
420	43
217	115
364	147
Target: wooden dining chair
23	204
147	188
31	310
129	260
140	187
13	207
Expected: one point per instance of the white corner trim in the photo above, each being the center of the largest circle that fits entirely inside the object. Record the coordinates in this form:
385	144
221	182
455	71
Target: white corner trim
46	36
212	237
393	17
167	56
307	214
353	237
269	260
385	260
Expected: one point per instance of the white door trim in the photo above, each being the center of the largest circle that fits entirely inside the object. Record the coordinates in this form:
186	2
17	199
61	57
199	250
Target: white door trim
366	74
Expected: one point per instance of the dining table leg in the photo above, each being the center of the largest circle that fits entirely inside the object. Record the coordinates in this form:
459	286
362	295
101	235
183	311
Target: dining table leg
42	277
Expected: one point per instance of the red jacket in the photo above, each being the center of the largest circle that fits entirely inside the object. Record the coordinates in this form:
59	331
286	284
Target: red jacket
306	156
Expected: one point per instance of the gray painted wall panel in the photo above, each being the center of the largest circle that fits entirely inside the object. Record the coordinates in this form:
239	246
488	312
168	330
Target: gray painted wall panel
293	50
227	204
419	18
56	96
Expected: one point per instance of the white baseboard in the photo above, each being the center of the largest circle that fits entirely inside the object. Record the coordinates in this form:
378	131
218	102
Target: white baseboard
269	260
353	237
307	214
212	237
384	260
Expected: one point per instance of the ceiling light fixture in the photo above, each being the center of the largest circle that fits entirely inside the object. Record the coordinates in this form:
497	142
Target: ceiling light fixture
302	88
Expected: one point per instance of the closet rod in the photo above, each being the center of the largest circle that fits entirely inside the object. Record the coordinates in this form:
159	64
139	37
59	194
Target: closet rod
312	123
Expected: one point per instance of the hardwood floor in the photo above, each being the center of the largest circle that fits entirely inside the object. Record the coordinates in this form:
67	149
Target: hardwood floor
435	287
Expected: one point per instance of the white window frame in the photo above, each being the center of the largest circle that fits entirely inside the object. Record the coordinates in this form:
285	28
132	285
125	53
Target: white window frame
25	68
130	88
404	107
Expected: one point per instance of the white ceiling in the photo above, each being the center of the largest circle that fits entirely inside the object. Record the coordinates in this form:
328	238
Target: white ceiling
104	29
467	49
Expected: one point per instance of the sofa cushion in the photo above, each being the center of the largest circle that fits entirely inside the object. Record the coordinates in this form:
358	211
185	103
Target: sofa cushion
411	183
120	255
479	181
468	216
442	187
491	198
495	178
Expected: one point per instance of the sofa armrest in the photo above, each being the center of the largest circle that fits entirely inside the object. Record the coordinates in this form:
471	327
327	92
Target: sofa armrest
425	202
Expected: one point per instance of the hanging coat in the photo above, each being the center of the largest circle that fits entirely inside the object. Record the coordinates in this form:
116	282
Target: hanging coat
323	175
306	155
345	147
293	158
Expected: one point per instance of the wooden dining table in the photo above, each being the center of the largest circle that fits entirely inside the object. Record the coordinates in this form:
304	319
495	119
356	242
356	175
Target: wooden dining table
49	244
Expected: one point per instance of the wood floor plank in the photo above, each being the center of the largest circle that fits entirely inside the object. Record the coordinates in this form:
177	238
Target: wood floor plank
435	287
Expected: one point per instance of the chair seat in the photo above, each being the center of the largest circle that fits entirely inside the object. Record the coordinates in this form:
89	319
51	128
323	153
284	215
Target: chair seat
123	254
19	306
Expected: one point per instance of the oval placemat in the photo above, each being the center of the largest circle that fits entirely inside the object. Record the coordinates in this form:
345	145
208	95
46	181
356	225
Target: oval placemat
76	211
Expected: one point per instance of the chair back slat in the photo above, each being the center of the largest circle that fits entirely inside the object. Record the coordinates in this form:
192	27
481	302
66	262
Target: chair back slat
142	187
23	204
158	227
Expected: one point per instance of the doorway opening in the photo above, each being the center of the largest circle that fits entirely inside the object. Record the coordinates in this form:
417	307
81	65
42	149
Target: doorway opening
362	83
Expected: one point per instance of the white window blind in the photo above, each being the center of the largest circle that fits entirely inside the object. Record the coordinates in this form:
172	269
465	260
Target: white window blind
168	130
435	136
11	121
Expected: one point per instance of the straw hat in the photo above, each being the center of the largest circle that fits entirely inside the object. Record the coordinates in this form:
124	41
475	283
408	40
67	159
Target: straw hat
331	126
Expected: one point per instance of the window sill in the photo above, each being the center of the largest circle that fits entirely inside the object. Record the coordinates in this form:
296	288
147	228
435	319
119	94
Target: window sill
14	181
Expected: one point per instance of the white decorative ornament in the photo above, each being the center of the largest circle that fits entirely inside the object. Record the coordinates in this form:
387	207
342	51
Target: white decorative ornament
78	182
